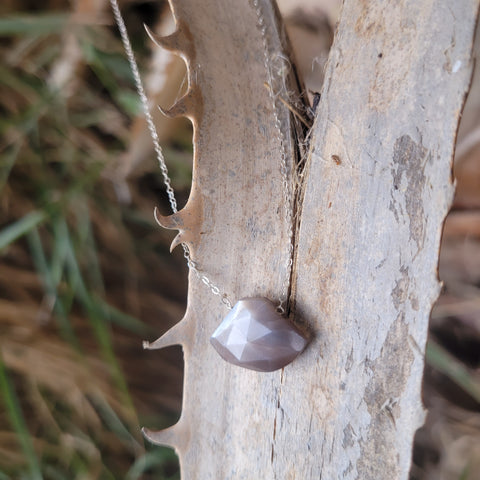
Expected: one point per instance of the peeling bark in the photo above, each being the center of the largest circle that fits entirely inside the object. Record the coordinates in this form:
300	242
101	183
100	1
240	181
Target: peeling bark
376	189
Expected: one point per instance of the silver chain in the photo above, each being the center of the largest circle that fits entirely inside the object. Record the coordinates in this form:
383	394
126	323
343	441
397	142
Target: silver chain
280	136
192	265
143	98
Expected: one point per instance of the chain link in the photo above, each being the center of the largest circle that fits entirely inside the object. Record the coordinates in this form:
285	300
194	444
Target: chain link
192	265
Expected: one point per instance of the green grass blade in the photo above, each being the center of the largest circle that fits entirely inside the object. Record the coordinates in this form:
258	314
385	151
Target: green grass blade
124	320
99	323
58	260
7	161
19	228
104	65
51	282
465	473
33	25
115	424
154	459
17	420
447	364
89	249
22	84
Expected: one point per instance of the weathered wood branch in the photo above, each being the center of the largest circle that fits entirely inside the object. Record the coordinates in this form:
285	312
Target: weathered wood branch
376	189
396	81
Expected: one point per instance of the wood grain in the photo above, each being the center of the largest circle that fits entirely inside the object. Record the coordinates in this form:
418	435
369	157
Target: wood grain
376	189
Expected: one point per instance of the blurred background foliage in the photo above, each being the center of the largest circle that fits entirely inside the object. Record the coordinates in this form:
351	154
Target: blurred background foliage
85	274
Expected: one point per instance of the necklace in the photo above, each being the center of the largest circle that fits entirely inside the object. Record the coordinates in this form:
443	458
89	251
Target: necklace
256	334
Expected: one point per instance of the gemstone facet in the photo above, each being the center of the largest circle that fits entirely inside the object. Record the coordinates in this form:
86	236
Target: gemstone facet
255	336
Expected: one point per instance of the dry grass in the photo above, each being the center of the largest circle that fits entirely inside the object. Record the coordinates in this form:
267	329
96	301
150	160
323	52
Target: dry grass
85	275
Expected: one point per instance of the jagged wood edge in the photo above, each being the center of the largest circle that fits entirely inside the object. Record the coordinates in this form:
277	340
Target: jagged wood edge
309	398
188	220
180	42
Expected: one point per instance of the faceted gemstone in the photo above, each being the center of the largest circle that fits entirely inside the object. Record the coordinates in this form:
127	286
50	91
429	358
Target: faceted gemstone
255	336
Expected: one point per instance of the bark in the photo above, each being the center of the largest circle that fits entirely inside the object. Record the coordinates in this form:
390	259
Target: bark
375	191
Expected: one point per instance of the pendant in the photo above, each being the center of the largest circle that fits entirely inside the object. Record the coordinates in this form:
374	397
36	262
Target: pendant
255	336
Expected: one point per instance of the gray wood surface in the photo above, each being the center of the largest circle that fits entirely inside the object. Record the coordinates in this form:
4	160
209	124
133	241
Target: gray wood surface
375	192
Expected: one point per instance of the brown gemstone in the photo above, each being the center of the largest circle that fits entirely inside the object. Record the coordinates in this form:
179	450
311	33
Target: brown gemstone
255	336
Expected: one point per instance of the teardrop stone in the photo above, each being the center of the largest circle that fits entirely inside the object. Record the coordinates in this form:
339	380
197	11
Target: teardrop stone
255	336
